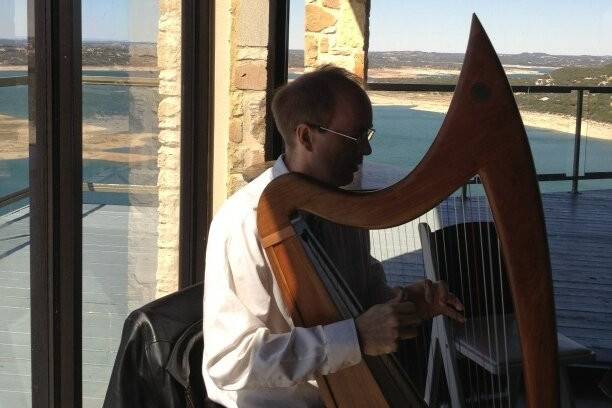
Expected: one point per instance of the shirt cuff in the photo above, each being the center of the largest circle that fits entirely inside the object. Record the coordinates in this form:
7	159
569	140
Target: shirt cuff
342	346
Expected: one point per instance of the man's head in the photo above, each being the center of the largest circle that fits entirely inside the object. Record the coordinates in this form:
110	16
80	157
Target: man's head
330	98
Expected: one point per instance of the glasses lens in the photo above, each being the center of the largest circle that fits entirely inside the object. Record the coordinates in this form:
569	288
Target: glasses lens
370	134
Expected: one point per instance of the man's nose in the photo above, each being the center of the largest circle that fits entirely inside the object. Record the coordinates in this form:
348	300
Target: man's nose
366	148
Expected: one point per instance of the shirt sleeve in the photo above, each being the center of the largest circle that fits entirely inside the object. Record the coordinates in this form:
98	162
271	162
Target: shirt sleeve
248	339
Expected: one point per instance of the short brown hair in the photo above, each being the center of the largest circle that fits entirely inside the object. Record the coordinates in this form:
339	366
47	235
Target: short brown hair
312	98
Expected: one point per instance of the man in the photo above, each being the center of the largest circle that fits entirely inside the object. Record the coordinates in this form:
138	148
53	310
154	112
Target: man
253	354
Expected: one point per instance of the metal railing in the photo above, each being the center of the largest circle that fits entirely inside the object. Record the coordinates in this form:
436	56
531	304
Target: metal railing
554	89
137	81
87	187
371	86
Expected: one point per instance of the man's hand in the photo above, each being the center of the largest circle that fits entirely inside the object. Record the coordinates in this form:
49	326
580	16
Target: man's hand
433	299
381	326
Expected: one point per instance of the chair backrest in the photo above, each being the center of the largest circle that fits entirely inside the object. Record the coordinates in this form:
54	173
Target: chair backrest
159	361
468	258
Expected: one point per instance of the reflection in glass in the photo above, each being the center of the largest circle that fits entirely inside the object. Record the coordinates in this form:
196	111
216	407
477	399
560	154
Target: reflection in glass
15	355
131	119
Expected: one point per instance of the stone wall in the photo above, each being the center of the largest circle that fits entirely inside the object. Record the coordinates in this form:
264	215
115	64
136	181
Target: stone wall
337	33
168	157
248	84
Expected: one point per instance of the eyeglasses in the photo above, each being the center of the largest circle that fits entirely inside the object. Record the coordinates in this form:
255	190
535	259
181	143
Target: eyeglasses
369	134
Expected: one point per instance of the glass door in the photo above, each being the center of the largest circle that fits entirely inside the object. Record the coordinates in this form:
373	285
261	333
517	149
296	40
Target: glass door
131	56
91	119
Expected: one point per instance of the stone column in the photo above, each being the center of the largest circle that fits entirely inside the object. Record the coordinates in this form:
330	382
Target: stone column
337	33
248	83
168	157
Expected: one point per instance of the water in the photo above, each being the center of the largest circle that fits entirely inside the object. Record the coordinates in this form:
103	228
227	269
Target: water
403	136
98	100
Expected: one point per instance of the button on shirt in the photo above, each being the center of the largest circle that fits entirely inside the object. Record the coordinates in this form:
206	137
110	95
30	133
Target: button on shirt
253	354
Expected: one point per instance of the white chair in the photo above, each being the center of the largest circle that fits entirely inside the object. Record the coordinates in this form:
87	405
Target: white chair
489	339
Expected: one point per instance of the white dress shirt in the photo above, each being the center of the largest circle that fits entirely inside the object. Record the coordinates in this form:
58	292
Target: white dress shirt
253	354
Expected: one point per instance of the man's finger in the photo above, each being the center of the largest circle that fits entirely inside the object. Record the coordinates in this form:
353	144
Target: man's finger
409	319
453	314
397	297
408	333
407	307
428	290
454	301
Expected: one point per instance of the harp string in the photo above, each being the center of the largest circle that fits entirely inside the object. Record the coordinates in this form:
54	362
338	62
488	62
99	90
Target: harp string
496	314
469	333
445	273
430	220
393	246
423	341
504	315
480	297
489	303
487	312
462	292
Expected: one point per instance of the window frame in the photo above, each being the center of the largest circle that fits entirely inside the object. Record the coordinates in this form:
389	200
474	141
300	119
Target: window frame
197	115
56	167
278	54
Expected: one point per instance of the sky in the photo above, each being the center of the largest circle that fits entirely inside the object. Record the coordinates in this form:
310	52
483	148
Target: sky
120	20
551	26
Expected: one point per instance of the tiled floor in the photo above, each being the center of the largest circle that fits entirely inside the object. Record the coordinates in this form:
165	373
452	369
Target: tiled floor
119	263
119	258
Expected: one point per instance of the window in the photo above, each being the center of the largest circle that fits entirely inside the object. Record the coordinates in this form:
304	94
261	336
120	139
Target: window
92	193
537	48
15	355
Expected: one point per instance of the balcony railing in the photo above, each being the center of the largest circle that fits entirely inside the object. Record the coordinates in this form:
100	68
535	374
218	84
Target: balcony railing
87	187
91	80
575	177
371	86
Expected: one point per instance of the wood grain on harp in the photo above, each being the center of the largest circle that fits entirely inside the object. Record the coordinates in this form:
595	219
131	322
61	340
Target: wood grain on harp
481	134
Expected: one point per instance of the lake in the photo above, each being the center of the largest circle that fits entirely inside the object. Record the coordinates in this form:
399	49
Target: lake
402	137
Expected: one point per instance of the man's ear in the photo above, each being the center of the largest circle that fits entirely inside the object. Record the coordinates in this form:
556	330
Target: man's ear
303	135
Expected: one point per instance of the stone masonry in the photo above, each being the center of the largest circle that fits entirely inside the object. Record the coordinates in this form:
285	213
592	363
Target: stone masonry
337	33
168	158
248	84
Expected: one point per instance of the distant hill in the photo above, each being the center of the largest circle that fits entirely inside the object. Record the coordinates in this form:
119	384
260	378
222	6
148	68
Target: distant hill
398	59
532	68
100	53
596	105
96	53
584	76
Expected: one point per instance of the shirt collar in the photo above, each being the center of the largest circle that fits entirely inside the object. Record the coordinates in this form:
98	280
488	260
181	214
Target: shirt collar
279	167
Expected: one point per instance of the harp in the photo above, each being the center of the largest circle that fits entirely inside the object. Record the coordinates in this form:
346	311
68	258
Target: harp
482	134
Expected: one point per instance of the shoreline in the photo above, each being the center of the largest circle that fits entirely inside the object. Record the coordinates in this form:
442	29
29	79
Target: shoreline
99	142
541	120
